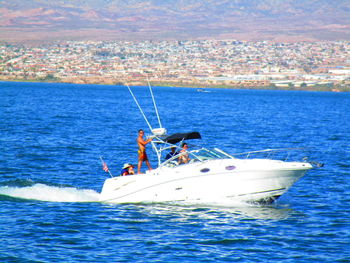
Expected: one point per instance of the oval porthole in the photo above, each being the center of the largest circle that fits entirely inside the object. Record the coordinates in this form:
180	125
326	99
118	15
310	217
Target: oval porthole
205	170
230	167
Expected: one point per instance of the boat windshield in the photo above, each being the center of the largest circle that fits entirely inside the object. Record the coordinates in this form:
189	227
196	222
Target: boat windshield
210	154
200	155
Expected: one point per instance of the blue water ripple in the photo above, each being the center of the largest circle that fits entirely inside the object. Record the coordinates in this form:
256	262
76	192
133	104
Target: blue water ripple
51	137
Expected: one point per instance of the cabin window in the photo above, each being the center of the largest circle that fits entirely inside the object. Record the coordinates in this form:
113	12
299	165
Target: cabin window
230	167
205	170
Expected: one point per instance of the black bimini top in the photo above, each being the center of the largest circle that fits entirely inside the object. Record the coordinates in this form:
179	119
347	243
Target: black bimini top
178	137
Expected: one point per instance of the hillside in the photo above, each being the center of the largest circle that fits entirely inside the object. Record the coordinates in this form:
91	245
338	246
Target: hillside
284	20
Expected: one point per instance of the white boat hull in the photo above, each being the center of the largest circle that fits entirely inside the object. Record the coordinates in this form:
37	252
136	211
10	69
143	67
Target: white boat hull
250	180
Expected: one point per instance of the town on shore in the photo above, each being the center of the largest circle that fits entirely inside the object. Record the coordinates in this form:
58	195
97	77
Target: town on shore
201	63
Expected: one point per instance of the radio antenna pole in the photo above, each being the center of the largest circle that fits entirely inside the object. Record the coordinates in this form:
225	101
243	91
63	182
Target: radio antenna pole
154	103
138	105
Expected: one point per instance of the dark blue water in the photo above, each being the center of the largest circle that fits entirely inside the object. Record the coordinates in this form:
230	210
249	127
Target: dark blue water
51	137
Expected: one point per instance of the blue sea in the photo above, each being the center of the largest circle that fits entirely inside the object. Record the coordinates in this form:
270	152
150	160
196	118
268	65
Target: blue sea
52	136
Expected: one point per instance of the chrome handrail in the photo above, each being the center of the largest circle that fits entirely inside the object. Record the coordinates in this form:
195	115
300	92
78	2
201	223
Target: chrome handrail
269	152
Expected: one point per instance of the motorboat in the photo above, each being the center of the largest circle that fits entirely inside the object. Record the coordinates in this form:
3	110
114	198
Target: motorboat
203	90
208	176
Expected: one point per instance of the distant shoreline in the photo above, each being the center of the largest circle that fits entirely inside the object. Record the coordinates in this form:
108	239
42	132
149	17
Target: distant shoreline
335	88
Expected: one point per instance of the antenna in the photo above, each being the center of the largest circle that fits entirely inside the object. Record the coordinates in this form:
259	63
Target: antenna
138	105
159	131
154	103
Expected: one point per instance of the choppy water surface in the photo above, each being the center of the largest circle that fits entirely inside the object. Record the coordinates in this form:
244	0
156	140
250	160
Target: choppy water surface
51	137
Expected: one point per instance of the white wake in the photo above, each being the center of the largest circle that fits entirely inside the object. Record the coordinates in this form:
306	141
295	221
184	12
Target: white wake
42	192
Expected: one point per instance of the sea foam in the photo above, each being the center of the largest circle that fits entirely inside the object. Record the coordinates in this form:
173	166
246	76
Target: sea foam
42	192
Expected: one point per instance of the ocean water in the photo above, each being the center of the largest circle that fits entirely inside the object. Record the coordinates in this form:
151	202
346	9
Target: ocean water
51	138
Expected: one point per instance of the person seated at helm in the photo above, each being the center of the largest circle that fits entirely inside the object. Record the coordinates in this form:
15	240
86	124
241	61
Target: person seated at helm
128	169
172	153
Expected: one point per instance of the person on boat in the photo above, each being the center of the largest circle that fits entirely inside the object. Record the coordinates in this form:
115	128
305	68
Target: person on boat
142	151
171	154
128	169
184	157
